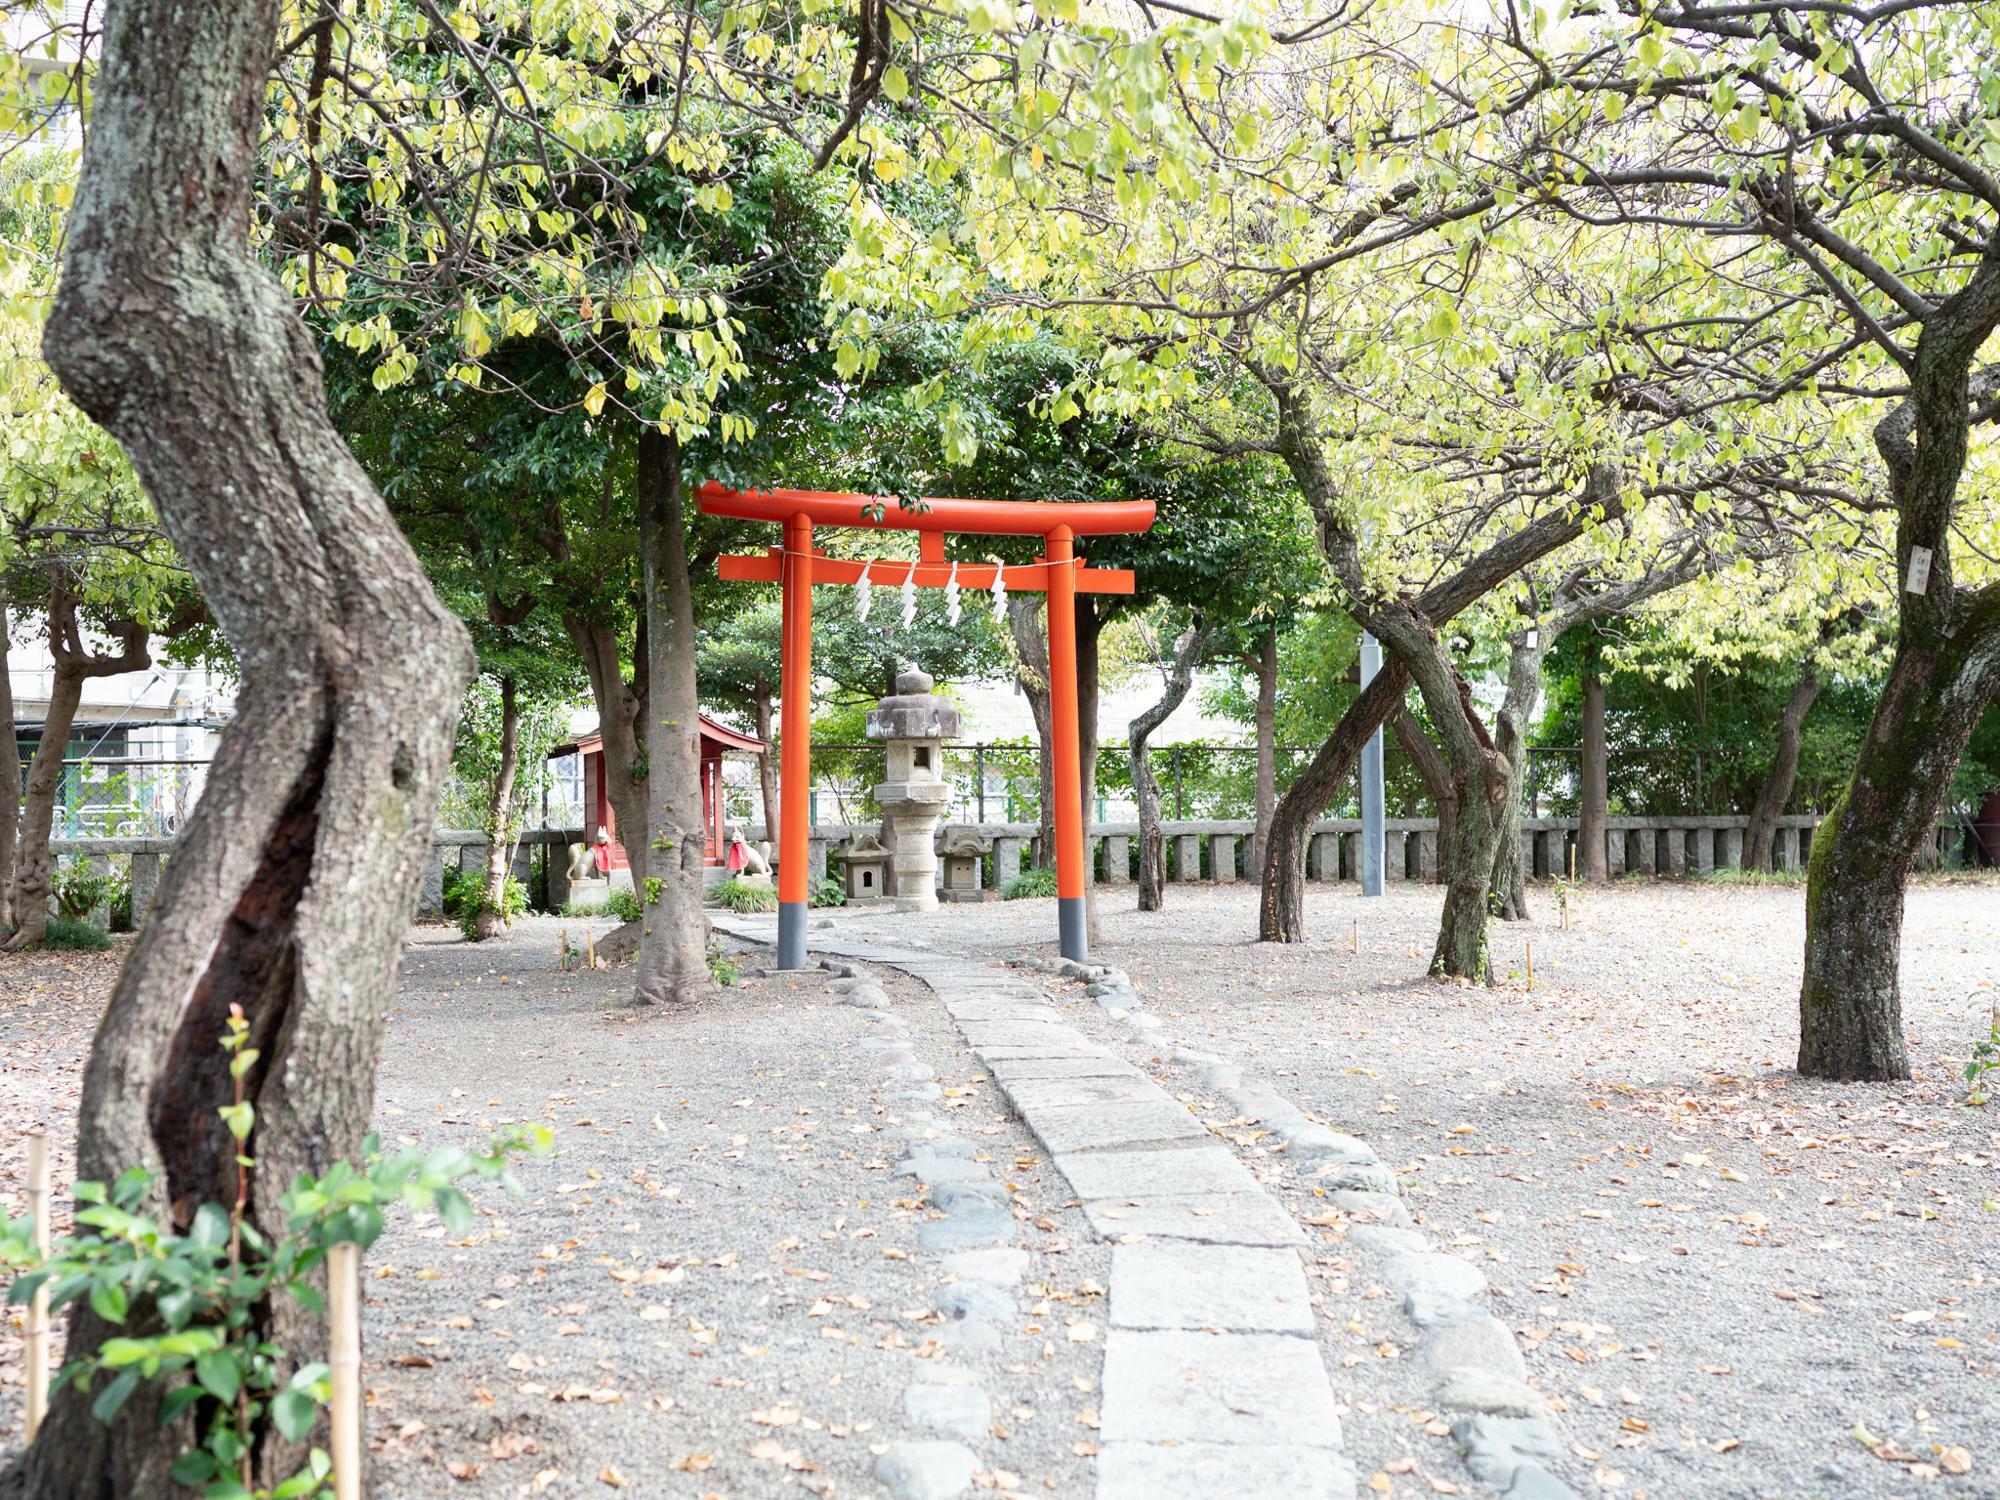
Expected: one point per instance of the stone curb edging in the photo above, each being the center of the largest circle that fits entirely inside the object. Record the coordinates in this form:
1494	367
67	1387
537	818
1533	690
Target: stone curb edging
945	1400
1500	1423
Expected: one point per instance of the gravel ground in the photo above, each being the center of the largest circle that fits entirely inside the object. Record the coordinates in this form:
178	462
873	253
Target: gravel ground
1722	1275
713	1288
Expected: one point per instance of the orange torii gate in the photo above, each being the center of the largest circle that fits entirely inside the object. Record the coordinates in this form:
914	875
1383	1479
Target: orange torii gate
798	566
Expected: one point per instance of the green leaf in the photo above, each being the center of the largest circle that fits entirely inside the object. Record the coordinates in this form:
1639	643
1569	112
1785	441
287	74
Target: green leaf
211	1225
114	1396
107	1300
294	1412
219	1374
193	1467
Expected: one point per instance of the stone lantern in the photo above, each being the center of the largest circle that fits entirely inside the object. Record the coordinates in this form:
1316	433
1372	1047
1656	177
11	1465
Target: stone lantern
865	865
964	863
914	725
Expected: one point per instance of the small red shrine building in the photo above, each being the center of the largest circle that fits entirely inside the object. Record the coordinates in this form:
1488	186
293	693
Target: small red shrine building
717	740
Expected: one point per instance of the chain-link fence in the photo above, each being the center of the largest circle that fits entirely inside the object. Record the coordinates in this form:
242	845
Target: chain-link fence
126	797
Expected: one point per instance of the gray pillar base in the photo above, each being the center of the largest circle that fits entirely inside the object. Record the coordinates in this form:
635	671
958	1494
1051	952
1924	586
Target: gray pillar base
1073	927
791	934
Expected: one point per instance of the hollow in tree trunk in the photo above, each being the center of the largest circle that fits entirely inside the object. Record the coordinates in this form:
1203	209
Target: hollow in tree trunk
75	663
293	883
1593	778
1281	909
1777	788
1145	785
673	941
491	917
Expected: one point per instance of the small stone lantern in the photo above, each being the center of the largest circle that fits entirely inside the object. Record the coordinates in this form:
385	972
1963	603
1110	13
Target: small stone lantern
964	864
865	864
914	724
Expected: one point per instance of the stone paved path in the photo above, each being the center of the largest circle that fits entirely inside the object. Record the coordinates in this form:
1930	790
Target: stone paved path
1213	1382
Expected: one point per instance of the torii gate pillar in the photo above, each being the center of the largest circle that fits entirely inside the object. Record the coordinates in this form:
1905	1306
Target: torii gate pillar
1072	926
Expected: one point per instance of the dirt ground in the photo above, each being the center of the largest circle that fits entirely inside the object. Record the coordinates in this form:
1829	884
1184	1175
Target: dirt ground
1731	1282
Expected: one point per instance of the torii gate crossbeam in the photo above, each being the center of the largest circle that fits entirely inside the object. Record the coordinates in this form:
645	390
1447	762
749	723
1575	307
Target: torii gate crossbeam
797	566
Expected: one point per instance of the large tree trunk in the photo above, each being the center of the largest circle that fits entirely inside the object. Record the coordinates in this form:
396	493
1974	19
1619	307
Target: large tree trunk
673	942
1281	911
1850	1002
1481	778
1267	744
491	917
1777	788
10	778
294	880
1947	669
1510	732
767	765
1031	675
75	663
1430	764
1593	783
1145	785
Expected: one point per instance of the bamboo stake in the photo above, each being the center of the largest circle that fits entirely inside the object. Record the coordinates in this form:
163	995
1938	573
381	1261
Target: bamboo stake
1531	966
343	1286
38	1308
1357	935
591	939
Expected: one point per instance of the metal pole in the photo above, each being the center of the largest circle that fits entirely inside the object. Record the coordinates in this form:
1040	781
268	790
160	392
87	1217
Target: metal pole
979	777
1371	781
1068	779
795	755
1180	795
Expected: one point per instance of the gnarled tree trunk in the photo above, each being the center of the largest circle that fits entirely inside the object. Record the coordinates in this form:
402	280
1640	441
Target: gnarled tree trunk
491	917
1777	788
75	663
1481	777
1510	733
673	934
294	881
1281	909
1145	785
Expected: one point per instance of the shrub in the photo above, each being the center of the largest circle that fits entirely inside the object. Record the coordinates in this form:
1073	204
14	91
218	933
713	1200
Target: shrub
513	901
829	892
73	934
721	964
80	888
624	905
1030	884
737	896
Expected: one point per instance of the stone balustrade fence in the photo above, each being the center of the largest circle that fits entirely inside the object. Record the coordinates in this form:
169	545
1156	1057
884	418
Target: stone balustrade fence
1211	851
